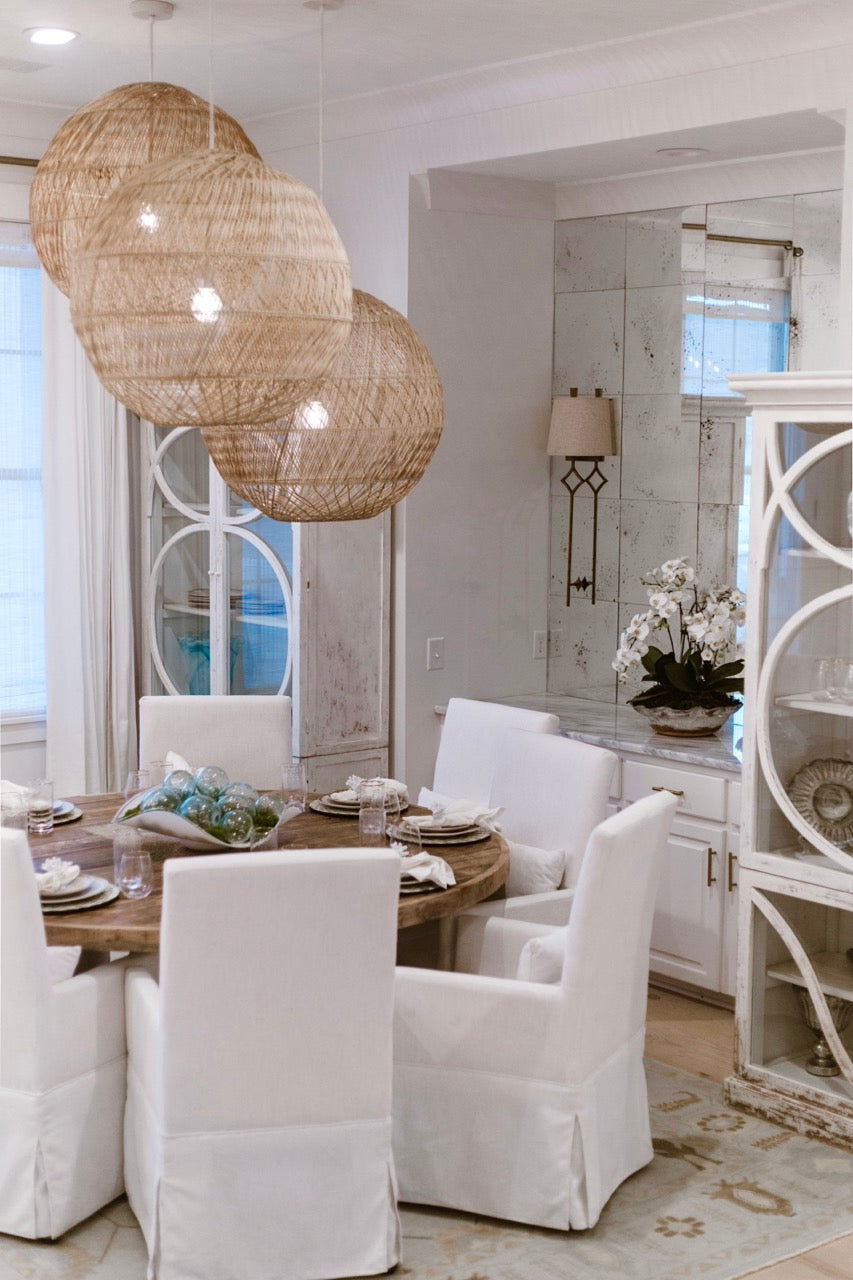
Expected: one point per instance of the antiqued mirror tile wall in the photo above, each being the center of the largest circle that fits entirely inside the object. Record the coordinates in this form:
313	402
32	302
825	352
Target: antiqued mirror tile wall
643	309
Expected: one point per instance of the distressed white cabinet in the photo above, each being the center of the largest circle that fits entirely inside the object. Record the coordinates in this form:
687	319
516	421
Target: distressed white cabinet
794	1004
234	602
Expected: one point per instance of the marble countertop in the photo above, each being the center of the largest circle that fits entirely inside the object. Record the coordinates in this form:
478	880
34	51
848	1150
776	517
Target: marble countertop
621	729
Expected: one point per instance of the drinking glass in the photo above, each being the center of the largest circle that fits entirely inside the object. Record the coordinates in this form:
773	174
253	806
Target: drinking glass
409	834
371	814
137	780
13	808
40	807
125	840
294	787
135	875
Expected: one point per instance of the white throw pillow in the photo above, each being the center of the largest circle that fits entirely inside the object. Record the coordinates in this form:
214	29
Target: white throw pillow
541	959
533	870
61	962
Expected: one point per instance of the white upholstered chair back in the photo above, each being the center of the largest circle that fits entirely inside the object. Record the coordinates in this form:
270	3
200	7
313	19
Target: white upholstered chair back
62	1069
276	979
606	966
24	981
468	749
249	737
553	792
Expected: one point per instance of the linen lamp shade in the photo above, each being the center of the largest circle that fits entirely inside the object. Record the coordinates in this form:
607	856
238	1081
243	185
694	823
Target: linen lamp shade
206	285
355	445
581	427
100	145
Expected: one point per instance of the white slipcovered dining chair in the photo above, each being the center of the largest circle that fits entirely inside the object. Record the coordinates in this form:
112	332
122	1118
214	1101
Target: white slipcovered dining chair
527	1100
553	792
468	747
249	737
62	1067
258	1122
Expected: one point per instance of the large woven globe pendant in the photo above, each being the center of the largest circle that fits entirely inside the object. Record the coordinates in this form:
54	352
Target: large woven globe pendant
353	447
207	283
103	143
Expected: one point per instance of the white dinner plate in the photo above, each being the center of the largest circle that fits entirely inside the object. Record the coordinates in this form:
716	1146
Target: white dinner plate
78	886
417	886
71	816
62	808
99	895
450	838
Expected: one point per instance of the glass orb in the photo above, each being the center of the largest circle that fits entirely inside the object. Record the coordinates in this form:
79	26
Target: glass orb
210	780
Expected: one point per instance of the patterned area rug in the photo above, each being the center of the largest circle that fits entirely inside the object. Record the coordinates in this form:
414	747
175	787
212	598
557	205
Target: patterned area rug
726	1195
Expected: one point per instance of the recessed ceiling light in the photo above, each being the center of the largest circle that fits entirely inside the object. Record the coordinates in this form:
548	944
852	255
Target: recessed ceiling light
682	153
50	35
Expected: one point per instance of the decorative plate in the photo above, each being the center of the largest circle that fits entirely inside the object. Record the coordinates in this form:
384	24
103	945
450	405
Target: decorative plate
822	791
100	893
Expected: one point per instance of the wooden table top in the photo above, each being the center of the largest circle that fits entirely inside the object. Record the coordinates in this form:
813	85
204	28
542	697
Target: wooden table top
134	925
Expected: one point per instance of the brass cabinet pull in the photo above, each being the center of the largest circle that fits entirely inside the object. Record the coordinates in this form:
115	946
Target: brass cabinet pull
670	789
710	879
732	861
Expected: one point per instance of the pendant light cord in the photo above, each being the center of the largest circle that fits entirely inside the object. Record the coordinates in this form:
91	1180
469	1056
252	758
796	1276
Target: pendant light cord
151	49
210	124
320	104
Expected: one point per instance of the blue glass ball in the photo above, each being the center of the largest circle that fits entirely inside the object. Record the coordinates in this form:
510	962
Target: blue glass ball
238	795
198	809
210	780
181	782
268	810
235	826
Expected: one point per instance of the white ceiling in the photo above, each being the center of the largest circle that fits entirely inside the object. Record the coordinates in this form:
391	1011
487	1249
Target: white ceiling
265	54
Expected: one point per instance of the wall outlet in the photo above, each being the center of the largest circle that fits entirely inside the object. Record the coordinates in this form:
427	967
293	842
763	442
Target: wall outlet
539	644
556	638
435	653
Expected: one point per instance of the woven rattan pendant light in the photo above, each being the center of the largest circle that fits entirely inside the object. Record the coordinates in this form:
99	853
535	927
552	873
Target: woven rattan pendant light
206	284
103	143
356	445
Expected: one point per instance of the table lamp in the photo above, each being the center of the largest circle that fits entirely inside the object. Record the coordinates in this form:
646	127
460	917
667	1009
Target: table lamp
582	431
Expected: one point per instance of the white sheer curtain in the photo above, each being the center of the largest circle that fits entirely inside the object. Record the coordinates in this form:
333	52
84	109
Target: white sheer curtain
91	695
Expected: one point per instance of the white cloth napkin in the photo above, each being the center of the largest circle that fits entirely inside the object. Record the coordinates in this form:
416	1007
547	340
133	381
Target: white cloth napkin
449	813
55	874
424	867
349	796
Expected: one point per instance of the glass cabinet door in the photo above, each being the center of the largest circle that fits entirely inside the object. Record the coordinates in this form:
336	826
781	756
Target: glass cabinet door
218	583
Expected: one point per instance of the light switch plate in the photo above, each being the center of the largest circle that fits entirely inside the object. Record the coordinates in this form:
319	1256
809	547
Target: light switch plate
435	653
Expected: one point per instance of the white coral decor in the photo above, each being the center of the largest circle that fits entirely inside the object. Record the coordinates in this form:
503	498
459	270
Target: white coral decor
704	660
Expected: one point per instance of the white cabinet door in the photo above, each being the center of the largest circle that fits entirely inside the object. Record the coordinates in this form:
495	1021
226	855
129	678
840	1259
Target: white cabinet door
686	932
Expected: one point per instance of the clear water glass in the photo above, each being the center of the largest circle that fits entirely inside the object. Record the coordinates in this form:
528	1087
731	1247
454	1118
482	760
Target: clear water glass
294	786
13	808
371	814
40	807
135	873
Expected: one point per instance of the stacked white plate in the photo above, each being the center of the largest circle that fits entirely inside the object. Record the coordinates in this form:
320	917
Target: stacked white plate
65	811
339	806
79	895
455	833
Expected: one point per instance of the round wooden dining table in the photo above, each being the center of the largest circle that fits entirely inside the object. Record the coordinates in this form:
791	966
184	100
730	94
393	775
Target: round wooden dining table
133	925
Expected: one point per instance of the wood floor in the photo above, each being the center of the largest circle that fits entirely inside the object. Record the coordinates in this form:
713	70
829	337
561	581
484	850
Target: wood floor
700	1038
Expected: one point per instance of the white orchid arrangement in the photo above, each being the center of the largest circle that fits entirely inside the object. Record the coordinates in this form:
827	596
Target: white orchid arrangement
704	664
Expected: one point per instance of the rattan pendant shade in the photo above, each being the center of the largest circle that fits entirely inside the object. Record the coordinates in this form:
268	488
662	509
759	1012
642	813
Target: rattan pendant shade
206	284
103	143
352	448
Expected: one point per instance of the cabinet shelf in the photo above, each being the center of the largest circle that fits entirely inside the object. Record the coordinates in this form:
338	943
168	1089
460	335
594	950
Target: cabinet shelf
260	619
793	1069
813	702
834	973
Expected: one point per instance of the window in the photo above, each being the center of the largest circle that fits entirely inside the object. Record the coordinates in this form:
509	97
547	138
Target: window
22	660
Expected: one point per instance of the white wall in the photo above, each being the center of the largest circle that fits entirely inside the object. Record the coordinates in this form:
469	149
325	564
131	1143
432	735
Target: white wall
476	527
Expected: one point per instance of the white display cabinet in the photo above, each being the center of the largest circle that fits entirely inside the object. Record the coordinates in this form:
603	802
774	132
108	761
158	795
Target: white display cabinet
795	933
237	603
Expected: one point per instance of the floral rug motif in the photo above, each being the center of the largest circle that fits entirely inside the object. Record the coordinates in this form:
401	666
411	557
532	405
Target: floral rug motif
726	1194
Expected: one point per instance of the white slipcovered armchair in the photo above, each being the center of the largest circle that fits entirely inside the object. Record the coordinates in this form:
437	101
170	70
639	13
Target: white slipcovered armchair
468	748
258	1121
553	792
248	736
527	1100
62	1068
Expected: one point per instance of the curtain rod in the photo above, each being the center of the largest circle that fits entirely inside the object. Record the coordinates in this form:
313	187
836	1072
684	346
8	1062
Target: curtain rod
21	160
713	235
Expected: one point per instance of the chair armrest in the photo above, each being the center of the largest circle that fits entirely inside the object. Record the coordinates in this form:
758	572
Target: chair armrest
491	944
86	1027
144	1035
461	1021
552	908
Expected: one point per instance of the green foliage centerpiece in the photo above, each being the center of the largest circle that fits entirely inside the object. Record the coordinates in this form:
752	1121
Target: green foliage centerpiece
703	664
